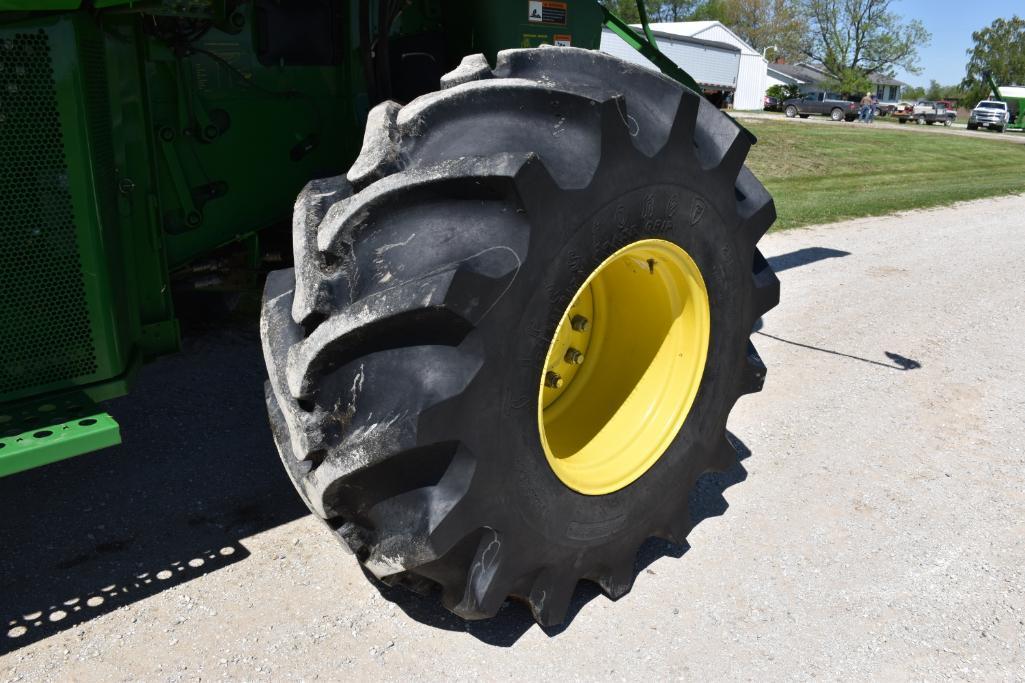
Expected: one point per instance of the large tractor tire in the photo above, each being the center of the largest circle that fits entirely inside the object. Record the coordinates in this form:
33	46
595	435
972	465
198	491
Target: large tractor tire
515	329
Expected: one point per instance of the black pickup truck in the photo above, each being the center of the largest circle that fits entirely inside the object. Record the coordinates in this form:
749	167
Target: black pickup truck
822	104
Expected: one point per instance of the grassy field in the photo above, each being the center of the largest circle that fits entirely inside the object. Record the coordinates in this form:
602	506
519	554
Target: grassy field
823	173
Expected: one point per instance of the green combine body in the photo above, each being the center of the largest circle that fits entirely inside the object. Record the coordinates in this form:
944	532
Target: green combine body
147	147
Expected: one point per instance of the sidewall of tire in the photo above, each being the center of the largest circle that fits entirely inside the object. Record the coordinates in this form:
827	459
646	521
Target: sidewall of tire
522	327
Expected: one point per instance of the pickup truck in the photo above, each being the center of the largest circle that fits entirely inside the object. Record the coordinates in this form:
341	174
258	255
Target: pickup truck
886	108
823	104
926	112
991	114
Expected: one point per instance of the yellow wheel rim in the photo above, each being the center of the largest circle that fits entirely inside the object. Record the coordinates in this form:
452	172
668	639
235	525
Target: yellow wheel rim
624	367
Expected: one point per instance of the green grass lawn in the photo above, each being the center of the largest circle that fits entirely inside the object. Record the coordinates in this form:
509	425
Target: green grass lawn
821	174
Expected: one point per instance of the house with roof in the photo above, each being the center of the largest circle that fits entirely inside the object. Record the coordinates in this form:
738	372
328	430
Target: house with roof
813	78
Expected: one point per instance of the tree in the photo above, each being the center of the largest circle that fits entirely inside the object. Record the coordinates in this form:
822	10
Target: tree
914	92
935	91
999	48
677	10
761	23
785	91
625	10
713	10
855	38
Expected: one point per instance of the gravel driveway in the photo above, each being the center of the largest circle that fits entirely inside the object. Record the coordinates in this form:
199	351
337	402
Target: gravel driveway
876	521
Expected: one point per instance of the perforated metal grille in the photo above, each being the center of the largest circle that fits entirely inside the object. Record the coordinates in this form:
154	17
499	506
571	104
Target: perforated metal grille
101	144
45	334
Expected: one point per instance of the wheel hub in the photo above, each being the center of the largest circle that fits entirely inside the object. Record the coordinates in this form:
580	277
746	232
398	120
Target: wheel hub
624	367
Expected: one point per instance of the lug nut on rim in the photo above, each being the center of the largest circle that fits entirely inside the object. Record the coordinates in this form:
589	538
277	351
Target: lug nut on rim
579	323
574	357
553	380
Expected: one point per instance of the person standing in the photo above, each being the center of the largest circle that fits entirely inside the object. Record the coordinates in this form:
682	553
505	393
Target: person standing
866	108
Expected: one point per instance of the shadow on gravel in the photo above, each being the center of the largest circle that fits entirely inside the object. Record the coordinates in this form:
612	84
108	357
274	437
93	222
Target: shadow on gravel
514	619
803	257
899	362
197	472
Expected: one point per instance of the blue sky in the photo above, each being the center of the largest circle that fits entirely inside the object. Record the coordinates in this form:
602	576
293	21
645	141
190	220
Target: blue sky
951	25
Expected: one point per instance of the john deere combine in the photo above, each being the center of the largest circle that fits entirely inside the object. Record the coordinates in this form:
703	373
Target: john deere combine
524	275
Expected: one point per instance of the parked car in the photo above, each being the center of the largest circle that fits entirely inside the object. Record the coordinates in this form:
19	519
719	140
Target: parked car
928	112
992	114
770	103
822	104
885	108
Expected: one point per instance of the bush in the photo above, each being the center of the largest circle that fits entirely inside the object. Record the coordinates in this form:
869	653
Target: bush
783	92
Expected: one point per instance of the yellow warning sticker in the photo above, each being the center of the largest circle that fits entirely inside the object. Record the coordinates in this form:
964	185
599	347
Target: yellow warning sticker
533	39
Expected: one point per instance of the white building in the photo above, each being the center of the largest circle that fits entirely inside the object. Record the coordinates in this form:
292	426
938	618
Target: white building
751	75
713	65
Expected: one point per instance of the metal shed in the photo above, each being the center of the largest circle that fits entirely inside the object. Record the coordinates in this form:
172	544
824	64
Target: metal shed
751	74
712	64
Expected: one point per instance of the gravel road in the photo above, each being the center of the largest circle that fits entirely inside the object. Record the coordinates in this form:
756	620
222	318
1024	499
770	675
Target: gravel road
875	530
1011	137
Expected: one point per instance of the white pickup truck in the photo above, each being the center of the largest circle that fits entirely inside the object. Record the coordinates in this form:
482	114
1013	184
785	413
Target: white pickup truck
991	114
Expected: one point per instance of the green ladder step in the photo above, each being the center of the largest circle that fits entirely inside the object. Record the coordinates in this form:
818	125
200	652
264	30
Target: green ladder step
43	432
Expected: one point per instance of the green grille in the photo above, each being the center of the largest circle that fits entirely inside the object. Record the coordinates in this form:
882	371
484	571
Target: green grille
45	333
101	144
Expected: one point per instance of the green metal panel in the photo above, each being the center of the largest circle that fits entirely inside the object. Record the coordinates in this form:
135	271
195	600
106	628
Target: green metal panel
90	228
1019	121
143	284
29	5
288	124
87	232
495	26
61	330
56	439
